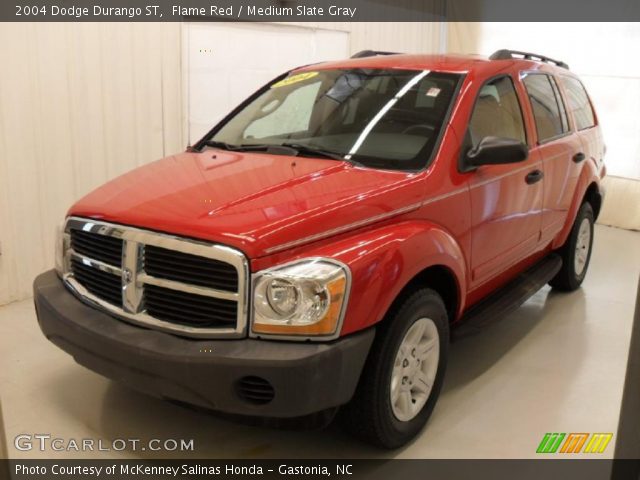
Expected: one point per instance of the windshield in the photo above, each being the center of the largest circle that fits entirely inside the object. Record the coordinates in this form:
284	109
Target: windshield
378	118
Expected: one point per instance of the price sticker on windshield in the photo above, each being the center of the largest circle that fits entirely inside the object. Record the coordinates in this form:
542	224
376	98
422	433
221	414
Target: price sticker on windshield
433	92
300	77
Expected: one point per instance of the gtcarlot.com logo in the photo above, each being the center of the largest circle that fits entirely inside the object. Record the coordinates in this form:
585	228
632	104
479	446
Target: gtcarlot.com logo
45	442
574	442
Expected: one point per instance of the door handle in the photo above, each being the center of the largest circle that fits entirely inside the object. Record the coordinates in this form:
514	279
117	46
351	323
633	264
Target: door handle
533	177
578	157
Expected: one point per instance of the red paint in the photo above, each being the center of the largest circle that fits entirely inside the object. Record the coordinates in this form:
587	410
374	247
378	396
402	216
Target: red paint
484	226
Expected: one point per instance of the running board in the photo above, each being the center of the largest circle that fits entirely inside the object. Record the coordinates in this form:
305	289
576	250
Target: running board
508	298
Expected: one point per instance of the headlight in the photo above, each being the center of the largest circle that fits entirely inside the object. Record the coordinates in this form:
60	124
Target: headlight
306	298
62	242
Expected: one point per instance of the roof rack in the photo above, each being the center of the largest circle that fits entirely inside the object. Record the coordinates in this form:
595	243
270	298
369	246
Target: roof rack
371	53
509	54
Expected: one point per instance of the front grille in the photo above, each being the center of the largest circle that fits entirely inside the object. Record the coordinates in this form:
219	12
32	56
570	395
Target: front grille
106	286
97	246
179	285
189	309
192	269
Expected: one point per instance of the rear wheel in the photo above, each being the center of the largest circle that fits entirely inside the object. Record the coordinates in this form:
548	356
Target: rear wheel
401	381
576	252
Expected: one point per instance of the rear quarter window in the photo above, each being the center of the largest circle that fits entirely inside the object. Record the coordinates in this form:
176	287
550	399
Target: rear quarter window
578	103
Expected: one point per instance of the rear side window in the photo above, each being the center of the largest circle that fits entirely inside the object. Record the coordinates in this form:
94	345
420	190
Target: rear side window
579	104
548	108
497	112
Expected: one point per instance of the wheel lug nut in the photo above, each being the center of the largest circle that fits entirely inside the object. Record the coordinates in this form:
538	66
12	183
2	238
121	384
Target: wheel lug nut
405	363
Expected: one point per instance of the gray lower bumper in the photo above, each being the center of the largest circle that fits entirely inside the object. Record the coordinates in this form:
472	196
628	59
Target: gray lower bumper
306	377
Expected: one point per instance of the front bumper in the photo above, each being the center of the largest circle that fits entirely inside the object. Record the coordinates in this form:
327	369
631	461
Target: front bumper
305	377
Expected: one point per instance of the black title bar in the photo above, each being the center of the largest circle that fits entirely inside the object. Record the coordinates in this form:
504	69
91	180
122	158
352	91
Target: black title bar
320	10
547	469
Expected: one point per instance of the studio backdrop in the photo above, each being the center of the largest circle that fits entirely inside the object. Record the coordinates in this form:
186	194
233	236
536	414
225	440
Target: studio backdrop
81	103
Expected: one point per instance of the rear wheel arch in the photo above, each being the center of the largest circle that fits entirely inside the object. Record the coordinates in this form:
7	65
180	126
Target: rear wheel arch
588	190
594	197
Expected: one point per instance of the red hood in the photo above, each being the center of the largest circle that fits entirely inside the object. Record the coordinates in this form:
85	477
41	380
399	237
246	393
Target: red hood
255	202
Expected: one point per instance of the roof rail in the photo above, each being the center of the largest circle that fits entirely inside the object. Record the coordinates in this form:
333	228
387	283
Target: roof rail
509	54
371	53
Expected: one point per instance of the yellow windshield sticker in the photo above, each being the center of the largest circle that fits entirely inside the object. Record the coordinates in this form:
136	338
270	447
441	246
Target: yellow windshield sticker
300	77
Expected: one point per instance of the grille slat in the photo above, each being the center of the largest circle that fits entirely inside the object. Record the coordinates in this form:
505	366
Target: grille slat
161	303
109	251
209	282
177	315
98	280
190	309
103	285
197	303
98	240
193	269
100	289
174	256
106	249
96	246
210	266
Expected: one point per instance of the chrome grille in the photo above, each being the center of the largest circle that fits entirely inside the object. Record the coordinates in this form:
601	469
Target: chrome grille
184	286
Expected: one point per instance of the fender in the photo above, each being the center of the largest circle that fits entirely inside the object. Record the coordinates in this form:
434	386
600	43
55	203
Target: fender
383	260
588	175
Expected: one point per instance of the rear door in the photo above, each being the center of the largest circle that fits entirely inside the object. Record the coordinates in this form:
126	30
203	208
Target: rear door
556	147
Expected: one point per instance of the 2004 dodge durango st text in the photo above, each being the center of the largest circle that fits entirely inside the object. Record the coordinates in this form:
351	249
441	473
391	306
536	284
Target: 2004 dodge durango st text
311	254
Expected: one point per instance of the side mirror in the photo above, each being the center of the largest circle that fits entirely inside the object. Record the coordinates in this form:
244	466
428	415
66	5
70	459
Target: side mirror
497	151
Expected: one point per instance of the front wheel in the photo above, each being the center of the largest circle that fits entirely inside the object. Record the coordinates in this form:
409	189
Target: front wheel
576	252
402	378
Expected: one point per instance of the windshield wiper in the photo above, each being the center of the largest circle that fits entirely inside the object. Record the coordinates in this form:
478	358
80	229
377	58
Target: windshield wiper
310	150
297	148
245	147
221	145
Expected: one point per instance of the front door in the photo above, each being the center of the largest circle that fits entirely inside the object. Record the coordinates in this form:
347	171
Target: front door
506	200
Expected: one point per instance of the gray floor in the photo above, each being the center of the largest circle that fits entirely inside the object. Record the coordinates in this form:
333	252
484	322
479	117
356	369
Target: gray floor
555	365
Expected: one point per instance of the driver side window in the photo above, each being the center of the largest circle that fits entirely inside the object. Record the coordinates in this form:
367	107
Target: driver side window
497	113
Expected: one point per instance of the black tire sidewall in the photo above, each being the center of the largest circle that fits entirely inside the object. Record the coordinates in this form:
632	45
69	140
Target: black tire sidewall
585	212
428	305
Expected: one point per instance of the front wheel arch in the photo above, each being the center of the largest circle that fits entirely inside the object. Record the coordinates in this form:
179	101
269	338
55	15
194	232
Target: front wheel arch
438	278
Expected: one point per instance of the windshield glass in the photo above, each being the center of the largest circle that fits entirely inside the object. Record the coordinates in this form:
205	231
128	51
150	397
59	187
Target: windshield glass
380	118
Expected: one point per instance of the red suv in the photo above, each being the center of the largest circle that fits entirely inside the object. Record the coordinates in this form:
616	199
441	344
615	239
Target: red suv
315	249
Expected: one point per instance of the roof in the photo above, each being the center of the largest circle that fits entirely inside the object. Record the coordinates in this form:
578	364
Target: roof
443	63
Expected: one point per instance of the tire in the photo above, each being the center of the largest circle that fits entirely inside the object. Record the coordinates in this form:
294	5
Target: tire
371	415
576	252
